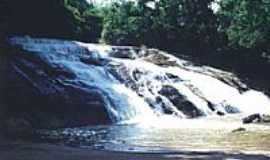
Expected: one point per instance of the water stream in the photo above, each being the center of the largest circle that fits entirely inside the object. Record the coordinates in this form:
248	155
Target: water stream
157	101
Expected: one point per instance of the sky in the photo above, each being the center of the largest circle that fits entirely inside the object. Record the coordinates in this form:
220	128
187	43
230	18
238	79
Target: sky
214	6
101	1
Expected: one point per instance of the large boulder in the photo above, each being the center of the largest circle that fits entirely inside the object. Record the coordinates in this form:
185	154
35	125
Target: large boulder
252	118
256	118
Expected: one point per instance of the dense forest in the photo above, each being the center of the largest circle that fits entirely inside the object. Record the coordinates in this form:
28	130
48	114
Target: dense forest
186	25
235	36
70	19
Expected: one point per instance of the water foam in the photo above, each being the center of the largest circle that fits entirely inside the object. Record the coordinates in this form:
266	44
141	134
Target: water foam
131	87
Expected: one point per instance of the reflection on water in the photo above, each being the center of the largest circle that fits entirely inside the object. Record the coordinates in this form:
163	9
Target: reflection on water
200	134
132	138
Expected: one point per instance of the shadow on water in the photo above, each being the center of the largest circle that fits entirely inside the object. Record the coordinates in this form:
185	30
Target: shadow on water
45	152
214	156
166	143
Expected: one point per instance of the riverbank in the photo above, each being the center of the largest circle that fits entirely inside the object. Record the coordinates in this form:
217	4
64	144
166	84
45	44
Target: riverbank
21	150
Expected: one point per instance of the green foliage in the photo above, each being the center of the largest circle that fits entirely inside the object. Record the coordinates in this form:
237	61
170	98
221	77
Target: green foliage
165	24
120	24
80	5
186	25
51	18
246	23
189	23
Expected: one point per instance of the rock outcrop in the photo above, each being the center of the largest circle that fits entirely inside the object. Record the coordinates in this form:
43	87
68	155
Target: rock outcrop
256	118
32	89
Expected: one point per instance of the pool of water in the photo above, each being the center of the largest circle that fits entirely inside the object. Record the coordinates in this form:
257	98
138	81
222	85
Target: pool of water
205	134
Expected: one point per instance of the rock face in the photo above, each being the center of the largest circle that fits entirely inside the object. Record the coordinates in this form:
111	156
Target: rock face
252	118
33	90
180	101
256	118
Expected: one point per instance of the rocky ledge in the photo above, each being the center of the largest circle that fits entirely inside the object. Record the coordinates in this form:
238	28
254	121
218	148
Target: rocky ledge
256	118
33	95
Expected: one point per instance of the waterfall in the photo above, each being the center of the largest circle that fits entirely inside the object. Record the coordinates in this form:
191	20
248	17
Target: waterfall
145	84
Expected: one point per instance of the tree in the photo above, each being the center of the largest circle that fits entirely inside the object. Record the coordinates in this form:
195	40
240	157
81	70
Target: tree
168	24
246	23
189	24
121	24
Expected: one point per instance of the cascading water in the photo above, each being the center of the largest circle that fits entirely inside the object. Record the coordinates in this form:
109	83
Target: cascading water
142	85
169	104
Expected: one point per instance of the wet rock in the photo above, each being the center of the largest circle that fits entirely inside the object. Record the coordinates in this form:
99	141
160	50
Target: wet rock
256	118
180	101
125	52
220	113
93	61
231	109
159	58
240	129
17	127
173	77
252	118
47	94
211	106
266	118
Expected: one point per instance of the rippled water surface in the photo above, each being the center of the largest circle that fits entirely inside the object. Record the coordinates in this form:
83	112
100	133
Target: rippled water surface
211	134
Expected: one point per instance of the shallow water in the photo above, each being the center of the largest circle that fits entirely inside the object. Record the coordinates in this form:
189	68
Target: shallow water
205	134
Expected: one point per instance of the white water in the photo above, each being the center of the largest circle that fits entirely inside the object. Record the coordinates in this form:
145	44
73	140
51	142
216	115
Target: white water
131	86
